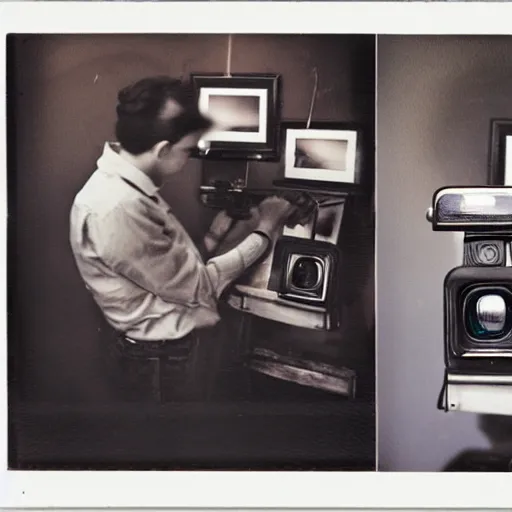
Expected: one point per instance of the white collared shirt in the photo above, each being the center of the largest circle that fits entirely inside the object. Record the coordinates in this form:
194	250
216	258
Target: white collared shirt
137	260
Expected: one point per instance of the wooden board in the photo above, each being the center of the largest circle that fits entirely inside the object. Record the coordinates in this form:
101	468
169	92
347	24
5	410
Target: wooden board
304	372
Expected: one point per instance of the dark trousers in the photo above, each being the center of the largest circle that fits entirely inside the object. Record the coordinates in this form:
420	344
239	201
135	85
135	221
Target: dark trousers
184	370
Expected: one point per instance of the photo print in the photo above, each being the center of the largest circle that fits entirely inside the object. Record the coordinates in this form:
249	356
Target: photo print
244	109
321	153
120	344
237	115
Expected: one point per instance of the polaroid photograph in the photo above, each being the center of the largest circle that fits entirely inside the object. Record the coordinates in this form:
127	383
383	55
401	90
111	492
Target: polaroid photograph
130	351
321	153
145	367
244	110
239	115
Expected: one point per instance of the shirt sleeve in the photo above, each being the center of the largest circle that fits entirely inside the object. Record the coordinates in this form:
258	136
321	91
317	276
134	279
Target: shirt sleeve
231	265
139	245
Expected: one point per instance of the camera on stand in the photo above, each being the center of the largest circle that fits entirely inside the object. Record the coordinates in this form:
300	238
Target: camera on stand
477	299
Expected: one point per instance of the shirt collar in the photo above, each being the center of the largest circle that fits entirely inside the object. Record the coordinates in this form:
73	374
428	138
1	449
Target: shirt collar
112	163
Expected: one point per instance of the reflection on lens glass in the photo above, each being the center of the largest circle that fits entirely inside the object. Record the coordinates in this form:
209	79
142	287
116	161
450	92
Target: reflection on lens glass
305	273
488	314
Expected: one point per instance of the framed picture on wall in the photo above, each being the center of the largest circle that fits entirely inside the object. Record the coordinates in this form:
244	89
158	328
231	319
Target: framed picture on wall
245	114
325	152
500	153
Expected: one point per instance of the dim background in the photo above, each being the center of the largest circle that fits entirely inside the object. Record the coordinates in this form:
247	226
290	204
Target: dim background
436	98
61	99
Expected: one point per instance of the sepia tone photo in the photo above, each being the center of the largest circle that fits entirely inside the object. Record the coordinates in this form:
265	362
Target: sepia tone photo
176	301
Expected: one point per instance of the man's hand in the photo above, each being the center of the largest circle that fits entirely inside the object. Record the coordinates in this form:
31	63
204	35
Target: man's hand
220	226
274	213
239	231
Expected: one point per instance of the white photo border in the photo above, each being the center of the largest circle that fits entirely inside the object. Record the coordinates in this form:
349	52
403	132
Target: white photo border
222	144
331	175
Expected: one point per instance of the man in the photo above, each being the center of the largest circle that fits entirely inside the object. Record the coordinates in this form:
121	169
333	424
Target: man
135	257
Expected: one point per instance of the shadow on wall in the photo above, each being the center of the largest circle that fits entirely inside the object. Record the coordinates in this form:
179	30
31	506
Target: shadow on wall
498	458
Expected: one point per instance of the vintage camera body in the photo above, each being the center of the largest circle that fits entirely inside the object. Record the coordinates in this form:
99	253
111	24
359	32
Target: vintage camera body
296	282
477	299
305	271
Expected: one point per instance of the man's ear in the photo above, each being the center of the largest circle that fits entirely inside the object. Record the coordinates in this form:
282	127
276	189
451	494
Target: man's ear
161	149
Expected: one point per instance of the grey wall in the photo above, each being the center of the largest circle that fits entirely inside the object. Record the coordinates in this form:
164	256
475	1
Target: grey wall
436	96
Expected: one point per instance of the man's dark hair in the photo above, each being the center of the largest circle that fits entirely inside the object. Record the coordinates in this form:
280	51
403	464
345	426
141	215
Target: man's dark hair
141	118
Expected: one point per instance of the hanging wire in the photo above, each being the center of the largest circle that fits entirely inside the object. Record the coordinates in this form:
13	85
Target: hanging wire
185	69
246	172
228	58
313	98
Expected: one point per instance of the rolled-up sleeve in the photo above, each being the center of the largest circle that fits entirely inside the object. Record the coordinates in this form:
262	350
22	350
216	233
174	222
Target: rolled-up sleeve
232	264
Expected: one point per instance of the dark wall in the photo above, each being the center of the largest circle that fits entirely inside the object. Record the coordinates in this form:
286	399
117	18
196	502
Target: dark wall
436	96
63	94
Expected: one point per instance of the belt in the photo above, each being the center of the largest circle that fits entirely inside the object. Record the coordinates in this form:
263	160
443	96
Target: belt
162	341
159	342
168	348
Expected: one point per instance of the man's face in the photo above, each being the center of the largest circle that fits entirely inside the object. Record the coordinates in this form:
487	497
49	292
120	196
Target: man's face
175	157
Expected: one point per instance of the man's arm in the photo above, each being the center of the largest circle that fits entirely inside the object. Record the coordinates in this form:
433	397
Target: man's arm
136	244
217	232
248	240
232	264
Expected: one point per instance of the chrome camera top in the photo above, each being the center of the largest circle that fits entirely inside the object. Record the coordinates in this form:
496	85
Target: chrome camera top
472	209
477	299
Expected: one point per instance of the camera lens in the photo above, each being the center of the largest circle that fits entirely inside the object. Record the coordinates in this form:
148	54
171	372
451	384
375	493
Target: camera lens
306	273
488	314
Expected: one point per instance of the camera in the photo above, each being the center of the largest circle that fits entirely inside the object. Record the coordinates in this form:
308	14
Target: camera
306	277
304	271
477	299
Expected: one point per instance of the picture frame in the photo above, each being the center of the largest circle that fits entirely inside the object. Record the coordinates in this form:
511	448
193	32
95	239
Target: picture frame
245	109
327	154
500	153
